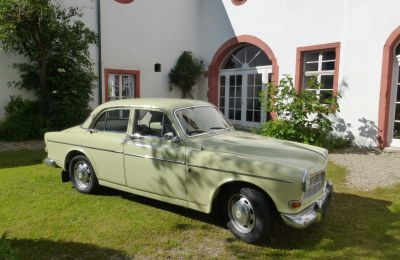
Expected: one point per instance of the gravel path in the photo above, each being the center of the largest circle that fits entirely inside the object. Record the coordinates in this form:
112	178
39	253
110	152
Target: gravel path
369	169
34	144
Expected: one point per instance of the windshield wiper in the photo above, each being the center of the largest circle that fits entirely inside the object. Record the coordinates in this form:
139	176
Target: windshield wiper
217	128
195	132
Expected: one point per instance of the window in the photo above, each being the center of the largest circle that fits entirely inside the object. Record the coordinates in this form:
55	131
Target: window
322	62
121	84
152	123
115	120
246	56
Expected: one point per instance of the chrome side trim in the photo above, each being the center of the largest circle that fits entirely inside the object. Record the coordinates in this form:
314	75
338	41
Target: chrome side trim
239	173
312	214
89	147
50	162
153	158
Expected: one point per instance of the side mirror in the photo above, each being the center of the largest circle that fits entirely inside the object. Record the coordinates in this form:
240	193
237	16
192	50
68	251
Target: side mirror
171	137
135	136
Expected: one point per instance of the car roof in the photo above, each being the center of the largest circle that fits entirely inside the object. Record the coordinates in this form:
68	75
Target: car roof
161	103
167	104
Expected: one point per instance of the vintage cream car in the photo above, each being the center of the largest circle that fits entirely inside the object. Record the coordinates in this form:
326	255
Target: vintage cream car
184	152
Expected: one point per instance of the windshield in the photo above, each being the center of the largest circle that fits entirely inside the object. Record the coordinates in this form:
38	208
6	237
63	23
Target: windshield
201	120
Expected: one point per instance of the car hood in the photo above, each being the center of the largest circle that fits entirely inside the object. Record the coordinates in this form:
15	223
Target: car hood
292	154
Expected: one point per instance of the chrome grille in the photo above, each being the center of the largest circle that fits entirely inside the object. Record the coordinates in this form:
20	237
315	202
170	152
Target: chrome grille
315	184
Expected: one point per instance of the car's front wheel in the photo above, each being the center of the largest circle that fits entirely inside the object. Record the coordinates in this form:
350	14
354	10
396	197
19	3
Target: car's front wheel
248	215
82	175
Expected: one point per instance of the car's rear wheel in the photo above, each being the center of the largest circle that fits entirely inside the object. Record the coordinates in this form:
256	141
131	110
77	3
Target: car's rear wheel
248	215
82	175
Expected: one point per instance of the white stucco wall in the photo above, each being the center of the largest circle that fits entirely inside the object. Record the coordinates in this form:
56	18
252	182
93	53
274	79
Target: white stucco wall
136	36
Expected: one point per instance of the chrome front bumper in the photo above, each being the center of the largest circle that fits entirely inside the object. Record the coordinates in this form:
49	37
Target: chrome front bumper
50	162
312	214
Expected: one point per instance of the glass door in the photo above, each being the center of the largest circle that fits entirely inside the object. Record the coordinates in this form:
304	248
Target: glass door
395	105
239	95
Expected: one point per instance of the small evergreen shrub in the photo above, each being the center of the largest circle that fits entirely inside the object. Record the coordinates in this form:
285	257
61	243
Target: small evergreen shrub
6	252
186	73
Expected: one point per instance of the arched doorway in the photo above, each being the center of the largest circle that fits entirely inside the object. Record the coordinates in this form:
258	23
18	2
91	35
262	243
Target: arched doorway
239	70
394	114
389	103
242	76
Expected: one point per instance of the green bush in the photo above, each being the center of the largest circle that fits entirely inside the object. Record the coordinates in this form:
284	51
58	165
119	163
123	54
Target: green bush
301	116
186	73
23	121
6	252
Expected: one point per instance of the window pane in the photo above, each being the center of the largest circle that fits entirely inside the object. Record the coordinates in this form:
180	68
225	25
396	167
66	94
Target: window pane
328	65
127	86
101	122
222	92
398	94
238	80
222	102
232	80
250	91
250	104
327	81
231	102
396	130
231	63
117	120
250	79
239	54
261	60
257	104
231	92
329	55
249	115
325	94
238	91
257	116
251	51
311	67
397	51
258	90
311	56
397	112
238	115
222	80
231	114
259	79
238	102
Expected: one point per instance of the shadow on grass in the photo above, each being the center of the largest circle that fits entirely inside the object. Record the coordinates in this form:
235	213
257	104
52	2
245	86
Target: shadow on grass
11	159
355	225
360	226
48	249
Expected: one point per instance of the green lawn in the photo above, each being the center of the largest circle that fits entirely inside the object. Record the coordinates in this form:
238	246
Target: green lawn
45	218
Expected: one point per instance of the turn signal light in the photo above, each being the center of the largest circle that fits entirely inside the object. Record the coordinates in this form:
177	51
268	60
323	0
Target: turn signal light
295	204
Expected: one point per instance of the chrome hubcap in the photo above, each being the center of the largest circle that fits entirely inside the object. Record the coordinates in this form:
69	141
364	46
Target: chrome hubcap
241	213
82	174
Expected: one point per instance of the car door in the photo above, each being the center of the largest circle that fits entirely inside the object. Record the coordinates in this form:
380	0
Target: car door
154	156
105	143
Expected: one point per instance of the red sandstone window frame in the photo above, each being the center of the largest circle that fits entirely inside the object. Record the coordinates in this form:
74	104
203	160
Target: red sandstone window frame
238	2
135	73
124	1
317	48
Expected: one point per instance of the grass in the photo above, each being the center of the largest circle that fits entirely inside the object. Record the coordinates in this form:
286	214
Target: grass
44	219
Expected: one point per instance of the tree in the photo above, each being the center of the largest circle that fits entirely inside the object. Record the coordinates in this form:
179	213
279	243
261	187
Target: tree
186	73
55	44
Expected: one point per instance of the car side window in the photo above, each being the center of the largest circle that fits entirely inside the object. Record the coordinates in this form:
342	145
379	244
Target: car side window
101	122
115	120
152	123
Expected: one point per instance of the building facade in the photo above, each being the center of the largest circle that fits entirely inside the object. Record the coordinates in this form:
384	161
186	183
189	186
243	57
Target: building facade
350	45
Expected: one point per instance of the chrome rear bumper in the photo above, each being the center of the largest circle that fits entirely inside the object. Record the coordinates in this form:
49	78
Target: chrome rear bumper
50	162
313	213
